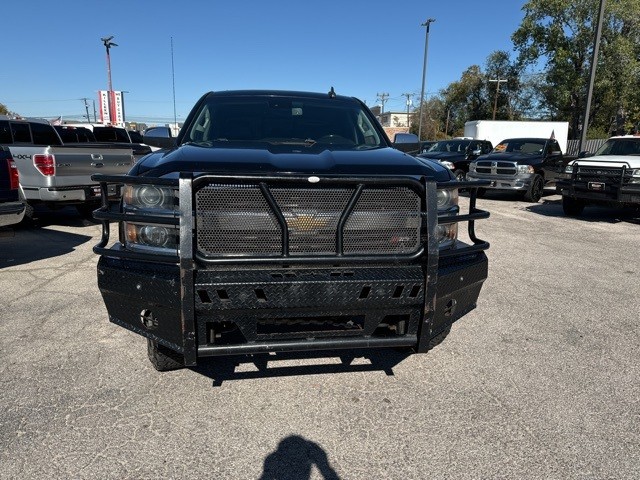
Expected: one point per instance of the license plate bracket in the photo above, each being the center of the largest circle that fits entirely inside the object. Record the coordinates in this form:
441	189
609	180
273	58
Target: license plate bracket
596	186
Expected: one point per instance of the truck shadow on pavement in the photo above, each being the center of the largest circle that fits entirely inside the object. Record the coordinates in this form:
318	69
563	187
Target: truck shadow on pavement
591	213
294	458
221	369
31	242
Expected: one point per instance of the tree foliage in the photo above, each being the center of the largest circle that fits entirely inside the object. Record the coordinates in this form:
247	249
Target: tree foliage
3	109
559	35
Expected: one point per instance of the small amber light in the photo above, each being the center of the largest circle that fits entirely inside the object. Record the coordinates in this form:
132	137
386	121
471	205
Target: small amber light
131	232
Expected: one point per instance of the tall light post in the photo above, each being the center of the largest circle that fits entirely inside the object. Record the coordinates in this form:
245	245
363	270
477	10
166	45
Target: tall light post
495	103
592	76
424	72
108	44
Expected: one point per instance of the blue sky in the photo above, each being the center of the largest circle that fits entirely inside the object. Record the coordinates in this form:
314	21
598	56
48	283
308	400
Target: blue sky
361	48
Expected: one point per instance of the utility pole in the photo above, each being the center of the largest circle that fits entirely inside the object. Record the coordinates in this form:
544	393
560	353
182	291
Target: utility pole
498	81
424	72
408	95
95	117
86	107
383	99
592	77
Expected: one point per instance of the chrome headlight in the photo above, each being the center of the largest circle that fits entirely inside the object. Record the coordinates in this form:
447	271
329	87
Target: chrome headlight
472	167
568	169
447	198
151	237
447	164
447	234
149	197
635	176
525	169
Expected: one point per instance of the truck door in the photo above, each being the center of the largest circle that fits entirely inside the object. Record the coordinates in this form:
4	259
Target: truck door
553	162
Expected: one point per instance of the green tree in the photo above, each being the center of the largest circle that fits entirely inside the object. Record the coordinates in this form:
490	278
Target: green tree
3	109
558	35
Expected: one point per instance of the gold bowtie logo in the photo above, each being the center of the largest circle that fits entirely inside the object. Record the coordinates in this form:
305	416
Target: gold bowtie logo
307	222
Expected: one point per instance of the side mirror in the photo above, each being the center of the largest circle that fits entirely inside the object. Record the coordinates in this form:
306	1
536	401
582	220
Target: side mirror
406	142
584	154
159	137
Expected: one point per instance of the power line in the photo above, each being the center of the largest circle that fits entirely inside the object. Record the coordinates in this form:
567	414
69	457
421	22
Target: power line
383	98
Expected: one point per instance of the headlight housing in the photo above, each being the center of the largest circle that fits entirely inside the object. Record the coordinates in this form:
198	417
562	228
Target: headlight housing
525	169
447	164
568	169
149	197
447	233
152	200
472	167
635	176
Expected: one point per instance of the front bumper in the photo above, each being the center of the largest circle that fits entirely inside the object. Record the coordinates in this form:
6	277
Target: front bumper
280	309
502	182
11	213
606	194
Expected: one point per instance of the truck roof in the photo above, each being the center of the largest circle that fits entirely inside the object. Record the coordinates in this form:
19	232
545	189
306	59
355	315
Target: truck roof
279	93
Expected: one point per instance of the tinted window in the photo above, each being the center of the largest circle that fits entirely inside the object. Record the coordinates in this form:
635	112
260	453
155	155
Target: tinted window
450	146
44	134
520	145
21	132
75	134
135	137
111	134
5	133
619	146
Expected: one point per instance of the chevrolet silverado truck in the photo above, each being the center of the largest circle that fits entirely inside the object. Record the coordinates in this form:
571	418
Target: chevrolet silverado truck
611	177
522	165
11	208
456	154
55	174
284	221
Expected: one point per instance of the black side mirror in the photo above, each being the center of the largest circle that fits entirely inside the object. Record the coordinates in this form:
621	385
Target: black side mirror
159	137
583	154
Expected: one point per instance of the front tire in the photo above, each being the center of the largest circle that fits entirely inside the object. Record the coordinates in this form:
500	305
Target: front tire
162	358
536	189
572	207
460	175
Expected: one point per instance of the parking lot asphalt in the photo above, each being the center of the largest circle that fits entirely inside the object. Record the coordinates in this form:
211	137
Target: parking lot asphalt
540	381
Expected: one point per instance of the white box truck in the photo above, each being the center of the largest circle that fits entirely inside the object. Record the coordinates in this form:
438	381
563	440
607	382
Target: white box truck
497	130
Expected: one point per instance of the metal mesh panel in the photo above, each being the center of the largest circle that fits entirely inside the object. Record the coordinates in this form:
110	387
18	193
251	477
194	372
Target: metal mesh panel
236	220
384	221
312	217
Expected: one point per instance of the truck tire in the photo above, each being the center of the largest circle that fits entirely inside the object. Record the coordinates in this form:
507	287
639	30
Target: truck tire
460	175
162	358
536	189
572	207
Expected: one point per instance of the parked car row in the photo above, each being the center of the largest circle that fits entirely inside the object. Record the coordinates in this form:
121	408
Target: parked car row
610	176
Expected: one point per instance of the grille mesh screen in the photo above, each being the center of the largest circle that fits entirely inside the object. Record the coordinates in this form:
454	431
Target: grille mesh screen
237	220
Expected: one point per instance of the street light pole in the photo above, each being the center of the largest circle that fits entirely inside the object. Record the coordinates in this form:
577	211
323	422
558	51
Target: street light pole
108	44
424	72
592	77
495	103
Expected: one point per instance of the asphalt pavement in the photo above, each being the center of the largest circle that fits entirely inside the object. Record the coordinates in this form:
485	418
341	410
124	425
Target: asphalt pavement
541	381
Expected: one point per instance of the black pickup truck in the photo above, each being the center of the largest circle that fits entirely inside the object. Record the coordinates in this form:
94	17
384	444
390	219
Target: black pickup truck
457	153
11	207
522	165
284	221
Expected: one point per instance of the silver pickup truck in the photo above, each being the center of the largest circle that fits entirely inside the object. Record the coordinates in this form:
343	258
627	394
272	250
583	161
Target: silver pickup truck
55	174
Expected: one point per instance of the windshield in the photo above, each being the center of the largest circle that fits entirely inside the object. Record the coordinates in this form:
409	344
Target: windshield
111	134
307	122
620	146
457	146
520	145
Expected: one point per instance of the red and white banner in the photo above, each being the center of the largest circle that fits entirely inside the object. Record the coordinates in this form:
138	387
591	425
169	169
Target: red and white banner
111	107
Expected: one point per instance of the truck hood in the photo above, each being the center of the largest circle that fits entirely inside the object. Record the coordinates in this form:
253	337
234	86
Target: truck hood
283	159
631	161
519	158
448	156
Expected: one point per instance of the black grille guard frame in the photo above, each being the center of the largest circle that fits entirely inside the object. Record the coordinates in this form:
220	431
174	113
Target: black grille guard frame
184	218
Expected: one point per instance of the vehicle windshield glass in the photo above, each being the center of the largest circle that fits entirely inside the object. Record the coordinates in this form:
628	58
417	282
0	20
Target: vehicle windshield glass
620	146
457	146
329	123
520	145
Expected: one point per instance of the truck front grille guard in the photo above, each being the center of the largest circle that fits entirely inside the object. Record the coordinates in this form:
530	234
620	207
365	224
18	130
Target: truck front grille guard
427	255
586	172
188	185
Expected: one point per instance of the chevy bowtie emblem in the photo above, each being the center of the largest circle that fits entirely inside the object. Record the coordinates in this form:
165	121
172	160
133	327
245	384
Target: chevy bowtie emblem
305	222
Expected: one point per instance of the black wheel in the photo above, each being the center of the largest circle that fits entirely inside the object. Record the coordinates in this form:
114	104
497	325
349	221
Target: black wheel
572	207
460	175
536	189
162	358
481	192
